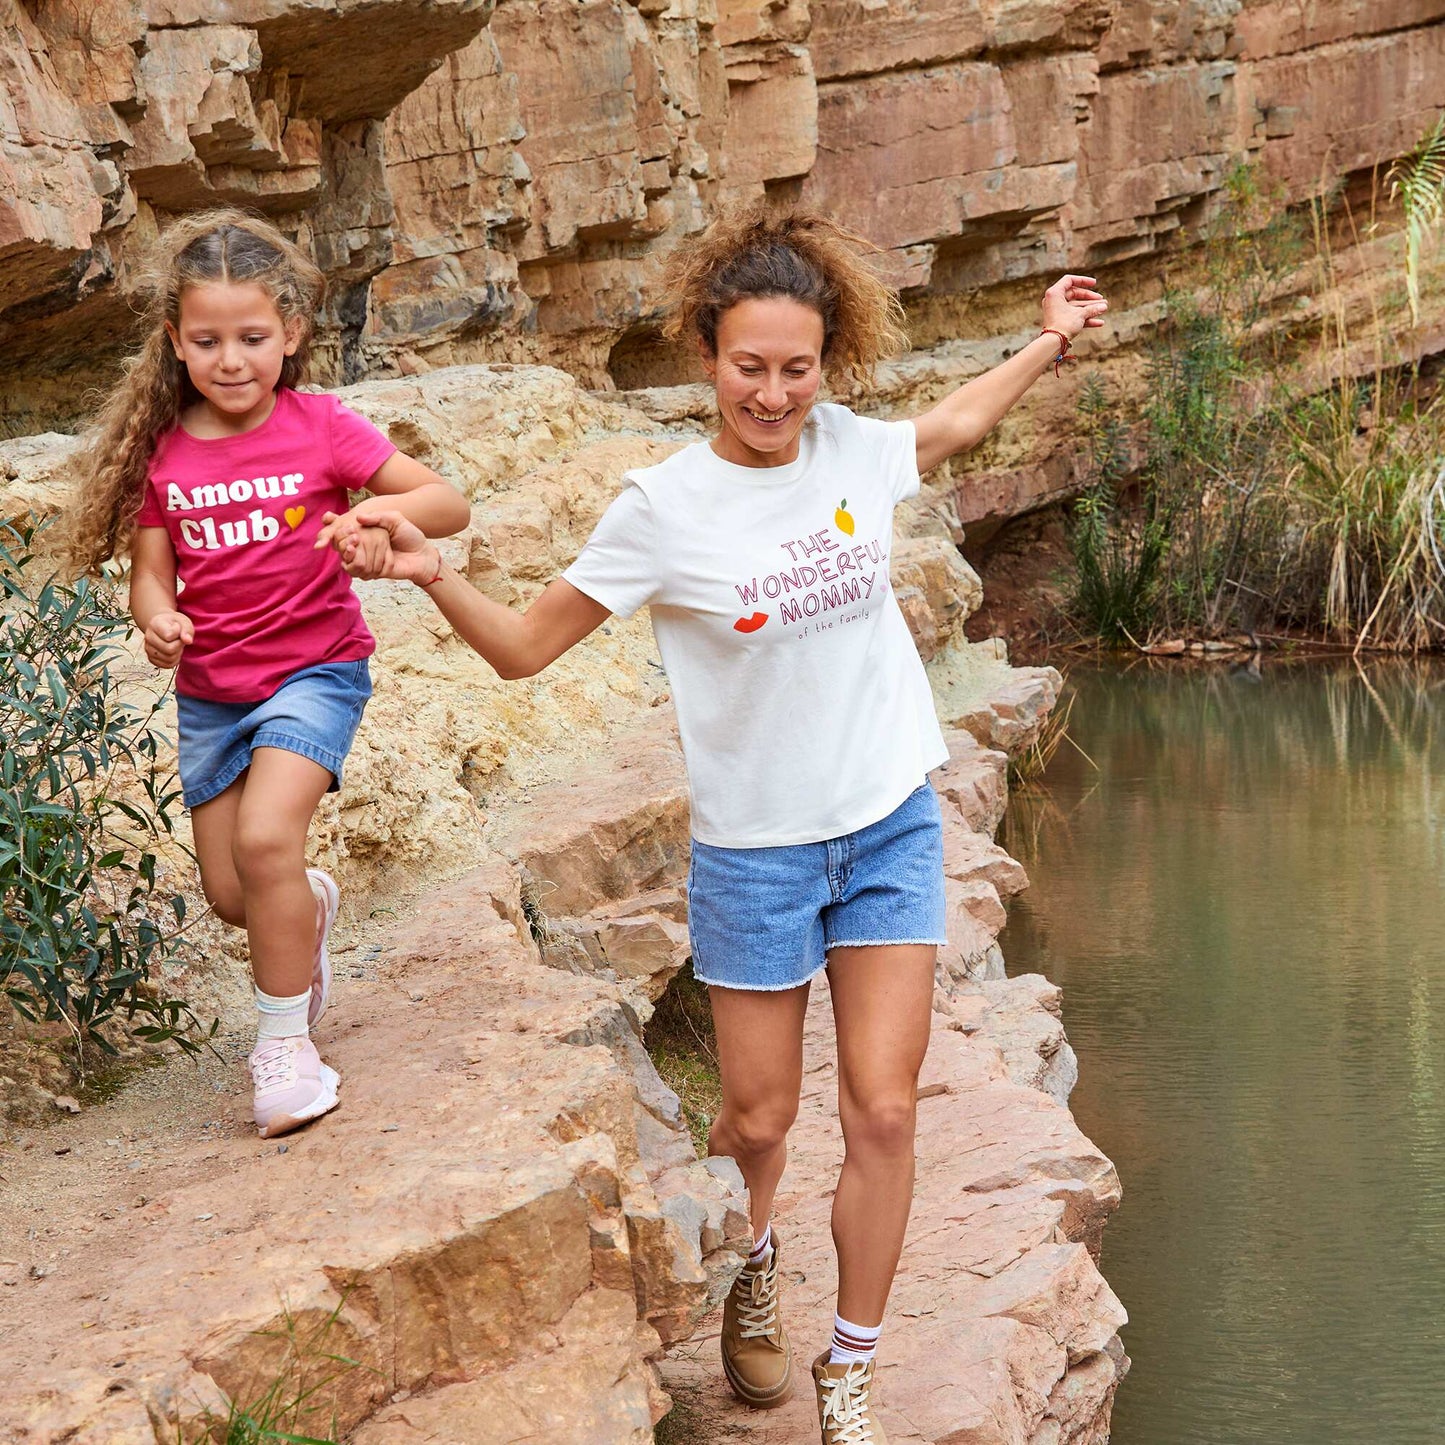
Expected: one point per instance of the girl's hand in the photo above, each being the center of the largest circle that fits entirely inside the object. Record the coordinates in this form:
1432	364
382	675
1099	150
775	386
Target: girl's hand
1071	304
167	635
386	540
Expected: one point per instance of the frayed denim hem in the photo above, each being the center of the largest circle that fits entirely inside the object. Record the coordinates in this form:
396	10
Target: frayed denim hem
757	987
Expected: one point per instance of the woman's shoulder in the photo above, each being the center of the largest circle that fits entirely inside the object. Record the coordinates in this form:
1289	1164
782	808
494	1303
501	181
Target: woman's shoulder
671	471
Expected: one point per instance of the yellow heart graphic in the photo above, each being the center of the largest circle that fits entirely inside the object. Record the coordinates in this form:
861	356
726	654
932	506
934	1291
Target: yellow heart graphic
295	516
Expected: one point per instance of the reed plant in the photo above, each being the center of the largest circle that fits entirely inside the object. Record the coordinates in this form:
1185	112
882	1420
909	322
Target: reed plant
1268	483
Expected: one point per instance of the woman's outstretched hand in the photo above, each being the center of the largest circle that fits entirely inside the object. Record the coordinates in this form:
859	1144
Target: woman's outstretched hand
1071	304
379	544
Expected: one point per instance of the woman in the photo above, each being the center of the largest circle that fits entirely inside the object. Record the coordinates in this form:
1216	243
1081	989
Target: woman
806	721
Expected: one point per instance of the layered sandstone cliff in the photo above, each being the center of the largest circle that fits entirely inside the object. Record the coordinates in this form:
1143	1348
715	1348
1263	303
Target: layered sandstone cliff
499	184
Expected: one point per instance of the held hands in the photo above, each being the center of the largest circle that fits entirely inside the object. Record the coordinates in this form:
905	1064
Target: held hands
1071	304
167	635
379	544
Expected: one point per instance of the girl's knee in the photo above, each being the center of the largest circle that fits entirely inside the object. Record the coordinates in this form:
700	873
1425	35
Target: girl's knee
262	850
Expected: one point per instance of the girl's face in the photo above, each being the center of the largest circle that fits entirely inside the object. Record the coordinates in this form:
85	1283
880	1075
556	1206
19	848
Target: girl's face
231	339
767	371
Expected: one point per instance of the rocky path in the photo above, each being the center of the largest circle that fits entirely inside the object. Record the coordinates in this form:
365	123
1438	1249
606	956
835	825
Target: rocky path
504	1221
1001	1328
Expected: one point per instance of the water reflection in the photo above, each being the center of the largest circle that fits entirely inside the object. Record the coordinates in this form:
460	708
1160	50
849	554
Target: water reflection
1243	904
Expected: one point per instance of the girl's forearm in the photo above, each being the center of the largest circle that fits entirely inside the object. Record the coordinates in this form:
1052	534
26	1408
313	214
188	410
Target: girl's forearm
149	595
436	507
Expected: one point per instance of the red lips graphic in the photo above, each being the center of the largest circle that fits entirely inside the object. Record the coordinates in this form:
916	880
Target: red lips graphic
750	624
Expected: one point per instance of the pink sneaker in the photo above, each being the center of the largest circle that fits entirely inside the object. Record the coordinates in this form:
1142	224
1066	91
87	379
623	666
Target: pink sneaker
328	900
292	1084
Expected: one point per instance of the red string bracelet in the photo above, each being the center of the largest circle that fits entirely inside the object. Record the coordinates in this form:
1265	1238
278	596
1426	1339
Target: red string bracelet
1065	354
441	567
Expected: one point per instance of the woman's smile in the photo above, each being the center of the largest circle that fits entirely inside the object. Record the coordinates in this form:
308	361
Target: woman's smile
767	370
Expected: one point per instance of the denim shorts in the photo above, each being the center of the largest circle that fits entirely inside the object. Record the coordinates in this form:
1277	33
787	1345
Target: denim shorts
765	918
315	712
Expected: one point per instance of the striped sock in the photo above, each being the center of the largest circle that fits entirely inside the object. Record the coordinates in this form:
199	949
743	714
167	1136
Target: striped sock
280	1017
853	1344
762	1248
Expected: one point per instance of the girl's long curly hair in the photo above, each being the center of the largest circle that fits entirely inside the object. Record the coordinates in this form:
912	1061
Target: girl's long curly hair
114	463
762	251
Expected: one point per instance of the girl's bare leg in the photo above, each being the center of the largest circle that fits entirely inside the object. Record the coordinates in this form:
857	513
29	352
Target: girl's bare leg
268	848
213	826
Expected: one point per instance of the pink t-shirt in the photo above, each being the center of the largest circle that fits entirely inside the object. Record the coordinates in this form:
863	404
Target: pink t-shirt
243	513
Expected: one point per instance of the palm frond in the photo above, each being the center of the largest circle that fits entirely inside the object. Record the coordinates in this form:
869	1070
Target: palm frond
1417	181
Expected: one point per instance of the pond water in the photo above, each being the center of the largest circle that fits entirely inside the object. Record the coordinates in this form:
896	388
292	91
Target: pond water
1242	901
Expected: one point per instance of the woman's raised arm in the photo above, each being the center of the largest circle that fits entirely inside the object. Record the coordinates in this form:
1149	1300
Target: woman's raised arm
963	418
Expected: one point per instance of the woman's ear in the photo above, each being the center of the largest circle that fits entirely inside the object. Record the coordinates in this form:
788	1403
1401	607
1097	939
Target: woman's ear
709	358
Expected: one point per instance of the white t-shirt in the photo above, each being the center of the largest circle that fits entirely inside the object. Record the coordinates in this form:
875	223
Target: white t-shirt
803	706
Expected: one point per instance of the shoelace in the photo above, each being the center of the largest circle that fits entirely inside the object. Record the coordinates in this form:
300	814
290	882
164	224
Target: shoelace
274	1066
758	1313
845	1407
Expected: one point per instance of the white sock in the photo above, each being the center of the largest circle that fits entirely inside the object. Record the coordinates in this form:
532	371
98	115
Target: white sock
853	1344
762	1248
281	1018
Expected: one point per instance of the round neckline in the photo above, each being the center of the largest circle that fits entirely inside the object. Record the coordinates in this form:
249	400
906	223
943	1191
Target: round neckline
769	476
239	436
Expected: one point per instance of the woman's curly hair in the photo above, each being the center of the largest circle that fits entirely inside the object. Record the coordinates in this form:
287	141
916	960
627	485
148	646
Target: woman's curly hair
762	251
113	466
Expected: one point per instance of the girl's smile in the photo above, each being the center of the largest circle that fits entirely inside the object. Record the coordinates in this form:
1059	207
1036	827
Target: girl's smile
232	341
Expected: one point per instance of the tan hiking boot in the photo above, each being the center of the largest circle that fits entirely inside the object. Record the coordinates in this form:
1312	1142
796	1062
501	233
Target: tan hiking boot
845	1409
756	1356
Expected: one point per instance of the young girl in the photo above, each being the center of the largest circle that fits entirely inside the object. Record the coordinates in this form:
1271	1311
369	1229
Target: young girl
212	471
806	722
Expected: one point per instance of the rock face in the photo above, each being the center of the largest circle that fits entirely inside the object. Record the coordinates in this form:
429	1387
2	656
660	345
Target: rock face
506	1217
488	1222
499	184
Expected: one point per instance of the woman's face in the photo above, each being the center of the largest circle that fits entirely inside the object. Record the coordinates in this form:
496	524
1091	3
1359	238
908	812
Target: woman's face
767	371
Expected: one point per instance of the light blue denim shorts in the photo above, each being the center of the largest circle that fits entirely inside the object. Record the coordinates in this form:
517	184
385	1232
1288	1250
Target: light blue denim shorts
765	918
315	712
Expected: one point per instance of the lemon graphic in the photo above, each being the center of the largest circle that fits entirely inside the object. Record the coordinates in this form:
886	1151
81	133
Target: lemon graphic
843	518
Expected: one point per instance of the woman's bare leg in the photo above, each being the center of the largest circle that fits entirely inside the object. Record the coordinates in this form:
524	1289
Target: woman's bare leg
882	1006
760	1051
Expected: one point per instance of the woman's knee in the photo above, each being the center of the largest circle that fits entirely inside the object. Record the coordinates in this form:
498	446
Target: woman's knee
883	1123
759	1129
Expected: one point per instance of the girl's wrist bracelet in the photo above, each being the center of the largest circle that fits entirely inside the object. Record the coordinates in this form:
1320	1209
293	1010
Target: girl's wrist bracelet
441	567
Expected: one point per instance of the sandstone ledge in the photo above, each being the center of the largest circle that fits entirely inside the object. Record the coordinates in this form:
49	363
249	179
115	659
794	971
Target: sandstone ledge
506	1209
507	1217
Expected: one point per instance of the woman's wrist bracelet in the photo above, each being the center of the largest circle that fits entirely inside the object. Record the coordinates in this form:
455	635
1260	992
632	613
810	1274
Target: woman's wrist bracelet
1065	348
441	567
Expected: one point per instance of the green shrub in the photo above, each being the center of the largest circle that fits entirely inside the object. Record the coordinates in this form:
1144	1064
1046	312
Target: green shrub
84	926
1265	492
1116	556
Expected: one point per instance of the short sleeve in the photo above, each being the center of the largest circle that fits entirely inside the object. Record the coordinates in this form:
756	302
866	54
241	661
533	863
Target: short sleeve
150	514
900	459
617	567
357	447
